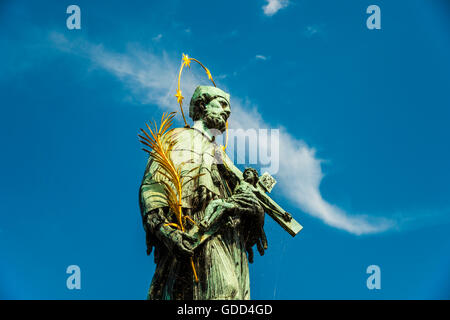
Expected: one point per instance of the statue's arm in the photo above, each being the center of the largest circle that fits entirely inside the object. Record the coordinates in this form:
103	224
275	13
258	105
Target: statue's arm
154	217
176	241
270	206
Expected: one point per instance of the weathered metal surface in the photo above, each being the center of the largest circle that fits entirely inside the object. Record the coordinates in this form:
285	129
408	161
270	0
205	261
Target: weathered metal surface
226	204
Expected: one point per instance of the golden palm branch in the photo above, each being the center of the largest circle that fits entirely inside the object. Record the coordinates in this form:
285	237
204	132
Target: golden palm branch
161	141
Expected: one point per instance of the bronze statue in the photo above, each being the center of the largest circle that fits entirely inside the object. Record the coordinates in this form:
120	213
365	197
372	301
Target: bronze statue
200	212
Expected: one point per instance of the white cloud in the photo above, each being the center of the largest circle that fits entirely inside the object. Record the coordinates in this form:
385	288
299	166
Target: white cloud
157	38
313	30
273	6
152	79
300	174
260	57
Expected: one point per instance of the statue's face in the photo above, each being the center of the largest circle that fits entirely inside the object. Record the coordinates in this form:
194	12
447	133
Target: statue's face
249	176
217	112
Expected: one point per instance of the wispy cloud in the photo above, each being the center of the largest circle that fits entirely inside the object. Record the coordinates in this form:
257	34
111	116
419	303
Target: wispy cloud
149	77
300	175
260	57
273	6
312	30
157	38
152	79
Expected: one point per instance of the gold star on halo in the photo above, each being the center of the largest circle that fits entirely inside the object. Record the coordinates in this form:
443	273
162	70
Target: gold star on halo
179	97
208	73
186	60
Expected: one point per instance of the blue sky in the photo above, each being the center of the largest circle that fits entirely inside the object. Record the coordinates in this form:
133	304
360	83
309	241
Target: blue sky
363	115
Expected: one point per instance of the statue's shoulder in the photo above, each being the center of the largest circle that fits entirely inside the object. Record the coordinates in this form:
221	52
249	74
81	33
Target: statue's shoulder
189	136
182	131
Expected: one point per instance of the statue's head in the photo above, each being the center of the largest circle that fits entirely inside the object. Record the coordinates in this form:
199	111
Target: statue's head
251	176
210	105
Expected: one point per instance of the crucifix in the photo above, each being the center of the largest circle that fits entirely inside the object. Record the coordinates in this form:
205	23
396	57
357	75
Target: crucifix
259	187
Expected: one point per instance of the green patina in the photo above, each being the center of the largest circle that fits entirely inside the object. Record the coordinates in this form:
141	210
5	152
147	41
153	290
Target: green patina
227	205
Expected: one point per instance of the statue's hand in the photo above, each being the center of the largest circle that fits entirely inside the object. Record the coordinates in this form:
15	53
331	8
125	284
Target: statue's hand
183	244
287	217
178	242
248	204
252	215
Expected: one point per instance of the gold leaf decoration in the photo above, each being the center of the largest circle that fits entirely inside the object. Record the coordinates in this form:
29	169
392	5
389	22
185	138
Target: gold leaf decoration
160	141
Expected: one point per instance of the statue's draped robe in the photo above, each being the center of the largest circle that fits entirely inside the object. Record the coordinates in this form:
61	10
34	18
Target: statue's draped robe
221	263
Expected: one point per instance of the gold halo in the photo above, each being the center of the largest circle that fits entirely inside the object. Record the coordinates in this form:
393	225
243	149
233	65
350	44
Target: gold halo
186	61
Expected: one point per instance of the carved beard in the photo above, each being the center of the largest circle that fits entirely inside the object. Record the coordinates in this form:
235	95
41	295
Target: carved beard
214	121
